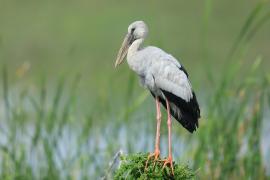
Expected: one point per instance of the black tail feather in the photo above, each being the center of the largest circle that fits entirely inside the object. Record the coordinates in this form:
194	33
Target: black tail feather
189	111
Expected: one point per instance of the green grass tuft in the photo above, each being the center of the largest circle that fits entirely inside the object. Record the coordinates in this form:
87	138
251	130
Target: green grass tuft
133	167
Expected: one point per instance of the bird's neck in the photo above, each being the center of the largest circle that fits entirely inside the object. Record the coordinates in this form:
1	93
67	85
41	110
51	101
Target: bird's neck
134	47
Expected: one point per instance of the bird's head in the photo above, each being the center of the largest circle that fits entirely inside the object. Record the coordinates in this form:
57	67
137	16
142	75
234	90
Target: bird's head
136	30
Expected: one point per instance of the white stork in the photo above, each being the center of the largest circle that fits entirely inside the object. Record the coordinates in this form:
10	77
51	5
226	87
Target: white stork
165	78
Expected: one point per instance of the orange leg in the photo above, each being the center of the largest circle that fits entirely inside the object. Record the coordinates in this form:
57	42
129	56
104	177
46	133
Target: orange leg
157	150
169	159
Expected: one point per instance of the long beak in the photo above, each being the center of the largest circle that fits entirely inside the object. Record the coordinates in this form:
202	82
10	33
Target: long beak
123	50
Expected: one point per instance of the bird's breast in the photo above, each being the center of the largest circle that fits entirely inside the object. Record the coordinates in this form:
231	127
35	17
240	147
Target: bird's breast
137	64
148	82
141	63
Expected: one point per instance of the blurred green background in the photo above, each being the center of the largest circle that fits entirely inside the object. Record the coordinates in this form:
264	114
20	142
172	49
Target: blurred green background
65	111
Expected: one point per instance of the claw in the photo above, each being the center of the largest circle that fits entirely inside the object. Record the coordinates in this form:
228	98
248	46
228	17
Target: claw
155	155
168	161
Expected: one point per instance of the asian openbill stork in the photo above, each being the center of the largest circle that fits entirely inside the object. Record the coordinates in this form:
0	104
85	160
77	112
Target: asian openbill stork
165	78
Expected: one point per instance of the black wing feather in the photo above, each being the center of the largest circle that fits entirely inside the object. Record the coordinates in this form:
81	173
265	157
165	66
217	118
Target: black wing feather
184	70
190	111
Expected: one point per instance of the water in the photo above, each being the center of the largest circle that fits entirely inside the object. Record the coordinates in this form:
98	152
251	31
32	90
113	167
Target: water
265	143
71	150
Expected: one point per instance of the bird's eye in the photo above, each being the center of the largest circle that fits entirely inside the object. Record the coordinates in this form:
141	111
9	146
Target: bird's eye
132	30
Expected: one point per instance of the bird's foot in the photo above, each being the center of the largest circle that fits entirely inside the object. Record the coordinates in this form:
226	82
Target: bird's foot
169	161
155	155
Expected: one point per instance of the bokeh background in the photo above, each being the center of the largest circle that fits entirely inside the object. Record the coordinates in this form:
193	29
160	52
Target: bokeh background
65	111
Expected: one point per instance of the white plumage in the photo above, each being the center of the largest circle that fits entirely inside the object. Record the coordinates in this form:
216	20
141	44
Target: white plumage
161	73
166	79
159	70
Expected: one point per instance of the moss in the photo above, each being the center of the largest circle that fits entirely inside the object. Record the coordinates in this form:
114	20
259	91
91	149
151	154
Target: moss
133	167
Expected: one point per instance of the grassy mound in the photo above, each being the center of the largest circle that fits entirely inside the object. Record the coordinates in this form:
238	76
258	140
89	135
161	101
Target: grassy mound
133	167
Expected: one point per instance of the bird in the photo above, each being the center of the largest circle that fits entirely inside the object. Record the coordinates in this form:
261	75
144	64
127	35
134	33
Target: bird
166	79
